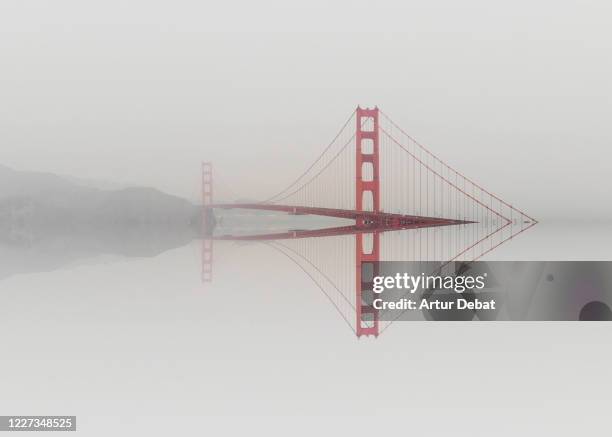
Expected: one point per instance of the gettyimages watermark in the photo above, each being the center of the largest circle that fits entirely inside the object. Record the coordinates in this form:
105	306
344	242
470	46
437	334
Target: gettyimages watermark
497	290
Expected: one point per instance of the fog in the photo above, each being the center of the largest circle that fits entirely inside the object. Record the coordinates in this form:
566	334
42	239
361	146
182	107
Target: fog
517	96
107	312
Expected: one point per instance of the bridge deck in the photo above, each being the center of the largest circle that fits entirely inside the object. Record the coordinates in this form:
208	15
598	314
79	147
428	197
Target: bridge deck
365	221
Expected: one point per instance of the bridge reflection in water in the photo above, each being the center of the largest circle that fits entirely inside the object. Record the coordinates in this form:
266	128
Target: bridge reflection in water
404	204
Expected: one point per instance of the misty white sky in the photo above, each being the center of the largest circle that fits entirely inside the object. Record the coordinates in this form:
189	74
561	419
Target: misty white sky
517	95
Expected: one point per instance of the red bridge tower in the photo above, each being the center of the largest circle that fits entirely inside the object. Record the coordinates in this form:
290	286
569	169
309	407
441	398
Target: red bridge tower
367	192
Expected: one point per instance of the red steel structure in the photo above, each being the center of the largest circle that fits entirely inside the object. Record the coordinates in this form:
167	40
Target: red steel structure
367	185
384	181
207	200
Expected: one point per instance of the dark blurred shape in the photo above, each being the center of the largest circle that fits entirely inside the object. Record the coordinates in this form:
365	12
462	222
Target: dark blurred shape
595	310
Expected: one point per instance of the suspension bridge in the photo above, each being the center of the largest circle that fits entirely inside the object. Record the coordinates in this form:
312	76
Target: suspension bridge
404	204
